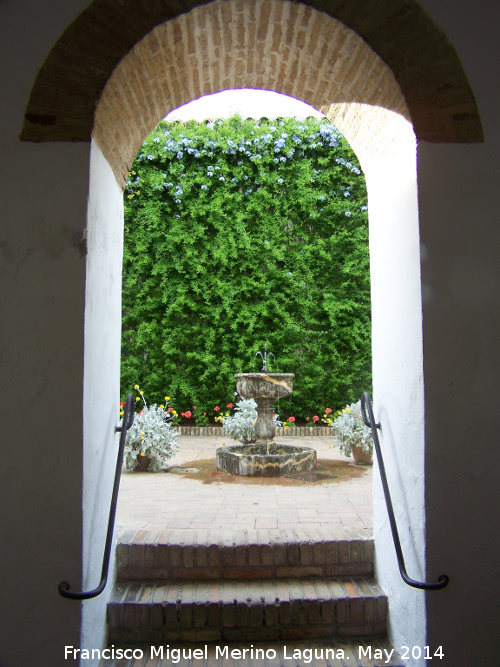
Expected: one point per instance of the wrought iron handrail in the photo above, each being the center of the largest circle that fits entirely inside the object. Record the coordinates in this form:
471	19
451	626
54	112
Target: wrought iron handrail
443	579
64	587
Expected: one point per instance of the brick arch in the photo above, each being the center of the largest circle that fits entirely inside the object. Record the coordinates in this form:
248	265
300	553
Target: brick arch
287	47
69	85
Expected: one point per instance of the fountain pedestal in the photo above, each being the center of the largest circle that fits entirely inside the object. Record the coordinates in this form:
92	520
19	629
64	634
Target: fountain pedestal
264	388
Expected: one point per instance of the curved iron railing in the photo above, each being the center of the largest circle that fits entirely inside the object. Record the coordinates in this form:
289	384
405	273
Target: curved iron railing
64	587
370	422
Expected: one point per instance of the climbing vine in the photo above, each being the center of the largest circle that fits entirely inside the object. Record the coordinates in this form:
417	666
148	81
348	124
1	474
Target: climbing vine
240	233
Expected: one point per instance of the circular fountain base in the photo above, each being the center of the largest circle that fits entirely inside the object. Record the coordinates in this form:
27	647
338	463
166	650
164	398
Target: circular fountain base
267	460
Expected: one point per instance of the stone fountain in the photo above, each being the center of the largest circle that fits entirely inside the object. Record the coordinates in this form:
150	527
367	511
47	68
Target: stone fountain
265	458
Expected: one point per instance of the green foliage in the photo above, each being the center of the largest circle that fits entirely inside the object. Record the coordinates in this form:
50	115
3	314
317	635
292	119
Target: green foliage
237	234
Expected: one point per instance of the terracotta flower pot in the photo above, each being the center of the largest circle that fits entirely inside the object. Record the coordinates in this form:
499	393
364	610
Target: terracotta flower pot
361	457
142	464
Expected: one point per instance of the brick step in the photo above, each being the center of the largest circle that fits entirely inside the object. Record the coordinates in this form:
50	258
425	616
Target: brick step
204	611
258	554
341	653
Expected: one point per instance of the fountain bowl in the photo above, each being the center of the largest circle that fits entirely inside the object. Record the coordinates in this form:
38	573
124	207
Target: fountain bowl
264	385
268	460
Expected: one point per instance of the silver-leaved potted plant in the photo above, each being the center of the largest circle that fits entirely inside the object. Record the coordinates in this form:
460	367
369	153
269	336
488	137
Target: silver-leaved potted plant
152	439
241	424
354	437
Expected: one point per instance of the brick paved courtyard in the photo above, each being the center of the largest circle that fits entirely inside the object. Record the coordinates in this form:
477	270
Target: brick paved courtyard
194	496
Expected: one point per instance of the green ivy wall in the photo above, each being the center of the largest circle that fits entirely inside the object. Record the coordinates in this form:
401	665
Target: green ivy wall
239	234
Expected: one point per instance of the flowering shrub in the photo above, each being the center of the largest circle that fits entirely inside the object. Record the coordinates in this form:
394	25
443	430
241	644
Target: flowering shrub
349	428
231	227
150	435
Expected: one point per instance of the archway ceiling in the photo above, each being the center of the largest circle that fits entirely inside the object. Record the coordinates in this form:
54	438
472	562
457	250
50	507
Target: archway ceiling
70	83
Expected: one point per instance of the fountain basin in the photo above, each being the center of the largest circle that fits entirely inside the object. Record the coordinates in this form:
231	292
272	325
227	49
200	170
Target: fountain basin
265	460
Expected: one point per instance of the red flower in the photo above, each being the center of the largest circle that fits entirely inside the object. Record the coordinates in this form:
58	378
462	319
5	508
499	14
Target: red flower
187	414
216	408
327	411
194	407
229	405
291	419
170	409
122	403
307	419
315	418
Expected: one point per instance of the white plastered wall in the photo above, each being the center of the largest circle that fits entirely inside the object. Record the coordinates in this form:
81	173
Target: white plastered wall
101	382
460	233
43	195
390	170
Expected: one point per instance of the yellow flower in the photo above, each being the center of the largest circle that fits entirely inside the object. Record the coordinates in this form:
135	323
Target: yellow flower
162	406
140	391
137	398
329	446
167	398
223	444
121	413
227	414
286	425
136	386
142	454
142	432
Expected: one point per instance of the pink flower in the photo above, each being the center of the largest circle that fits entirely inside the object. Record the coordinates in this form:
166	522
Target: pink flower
291	419
307	419
216	408
327	411
194	407
229	405
315	418
186	414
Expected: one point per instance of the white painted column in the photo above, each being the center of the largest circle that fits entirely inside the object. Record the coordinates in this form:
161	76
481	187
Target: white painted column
398	379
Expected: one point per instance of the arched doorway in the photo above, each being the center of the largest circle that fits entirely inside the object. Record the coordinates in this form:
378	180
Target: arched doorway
298	50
